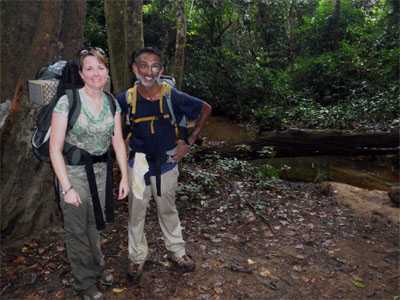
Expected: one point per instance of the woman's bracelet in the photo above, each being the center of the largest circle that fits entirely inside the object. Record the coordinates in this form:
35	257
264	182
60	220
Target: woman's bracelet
67	190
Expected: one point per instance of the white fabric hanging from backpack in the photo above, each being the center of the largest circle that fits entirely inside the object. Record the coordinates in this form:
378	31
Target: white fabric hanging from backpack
140	167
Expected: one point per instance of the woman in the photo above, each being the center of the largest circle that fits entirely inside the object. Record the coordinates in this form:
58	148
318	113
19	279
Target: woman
94	130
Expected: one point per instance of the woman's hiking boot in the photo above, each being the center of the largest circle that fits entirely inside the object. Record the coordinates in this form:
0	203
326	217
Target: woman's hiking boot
91	293
107	278
183	263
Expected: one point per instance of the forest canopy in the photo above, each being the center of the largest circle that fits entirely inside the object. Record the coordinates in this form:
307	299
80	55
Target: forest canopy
304	63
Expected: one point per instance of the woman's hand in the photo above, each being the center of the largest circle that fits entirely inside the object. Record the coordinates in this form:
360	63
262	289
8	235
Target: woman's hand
123	188
72	197
181	150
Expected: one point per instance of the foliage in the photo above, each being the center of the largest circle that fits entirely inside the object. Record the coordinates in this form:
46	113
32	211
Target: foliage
311	63
95	28
266	175
366	110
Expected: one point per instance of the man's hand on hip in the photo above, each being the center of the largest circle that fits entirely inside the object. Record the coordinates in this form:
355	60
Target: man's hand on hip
181	150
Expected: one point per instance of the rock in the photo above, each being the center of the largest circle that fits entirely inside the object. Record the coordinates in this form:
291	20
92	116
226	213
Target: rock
372	203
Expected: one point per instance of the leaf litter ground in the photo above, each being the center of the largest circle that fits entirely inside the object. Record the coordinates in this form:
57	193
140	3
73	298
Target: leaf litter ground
250	238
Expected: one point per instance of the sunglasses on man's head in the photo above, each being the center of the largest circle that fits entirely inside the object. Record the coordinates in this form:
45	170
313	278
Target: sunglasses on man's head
87	51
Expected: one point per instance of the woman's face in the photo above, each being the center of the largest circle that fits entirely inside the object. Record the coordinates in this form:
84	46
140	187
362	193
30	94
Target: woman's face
94	73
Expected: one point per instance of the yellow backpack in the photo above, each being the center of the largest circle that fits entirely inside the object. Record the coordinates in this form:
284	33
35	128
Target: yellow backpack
165	95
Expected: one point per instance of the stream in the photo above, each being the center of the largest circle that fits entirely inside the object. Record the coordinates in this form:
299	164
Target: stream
369	172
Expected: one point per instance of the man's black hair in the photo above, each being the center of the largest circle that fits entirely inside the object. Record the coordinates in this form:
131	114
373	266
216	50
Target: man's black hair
139	52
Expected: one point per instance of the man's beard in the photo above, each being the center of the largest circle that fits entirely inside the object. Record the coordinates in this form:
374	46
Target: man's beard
146	83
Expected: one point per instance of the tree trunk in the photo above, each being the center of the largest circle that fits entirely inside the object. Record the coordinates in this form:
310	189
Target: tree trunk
26	199
290	28
180	42
14	32
114	12
124	21
73	27
332	34
297	142
134	33
263	21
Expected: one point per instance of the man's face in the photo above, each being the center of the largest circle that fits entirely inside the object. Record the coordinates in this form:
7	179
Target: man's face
148	69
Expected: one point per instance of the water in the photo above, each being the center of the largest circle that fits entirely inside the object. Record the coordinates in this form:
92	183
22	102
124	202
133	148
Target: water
219	129
364	171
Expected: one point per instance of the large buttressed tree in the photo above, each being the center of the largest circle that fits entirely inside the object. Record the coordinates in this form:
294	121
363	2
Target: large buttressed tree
33	34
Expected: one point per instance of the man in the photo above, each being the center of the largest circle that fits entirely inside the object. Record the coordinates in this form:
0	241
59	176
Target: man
156	145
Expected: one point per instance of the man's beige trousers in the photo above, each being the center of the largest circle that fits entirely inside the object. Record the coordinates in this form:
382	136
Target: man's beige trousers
168	217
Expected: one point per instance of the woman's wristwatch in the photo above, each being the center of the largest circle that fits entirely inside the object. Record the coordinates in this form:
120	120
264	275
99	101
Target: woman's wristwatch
67	190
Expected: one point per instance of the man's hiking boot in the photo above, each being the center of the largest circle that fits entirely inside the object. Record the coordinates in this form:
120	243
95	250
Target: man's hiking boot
135	271
183	264
91	293
107	278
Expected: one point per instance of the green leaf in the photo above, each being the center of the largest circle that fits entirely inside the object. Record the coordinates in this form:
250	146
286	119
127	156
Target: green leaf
359	283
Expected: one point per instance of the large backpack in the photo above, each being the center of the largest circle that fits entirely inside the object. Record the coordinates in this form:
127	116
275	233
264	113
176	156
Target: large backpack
52	71
69	83
167	84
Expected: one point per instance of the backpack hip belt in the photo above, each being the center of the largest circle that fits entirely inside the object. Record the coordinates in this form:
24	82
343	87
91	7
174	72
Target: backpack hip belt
75	156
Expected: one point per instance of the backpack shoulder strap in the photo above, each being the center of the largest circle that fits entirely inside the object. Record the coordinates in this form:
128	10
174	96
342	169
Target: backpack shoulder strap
74	102
131	98
111	99
166	92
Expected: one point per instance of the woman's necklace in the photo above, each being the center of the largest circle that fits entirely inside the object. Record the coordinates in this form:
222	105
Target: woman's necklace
95	103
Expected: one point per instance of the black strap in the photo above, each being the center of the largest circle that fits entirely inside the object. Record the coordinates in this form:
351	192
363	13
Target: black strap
109	191
158	175
158	159
77	156
98	214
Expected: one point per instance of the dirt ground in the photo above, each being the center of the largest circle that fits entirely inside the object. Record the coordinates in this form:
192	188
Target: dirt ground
250	240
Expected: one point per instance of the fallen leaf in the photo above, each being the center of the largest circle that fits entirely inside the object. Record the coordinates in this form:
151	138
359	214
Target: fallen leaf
166	264
358	282
297	268
20	260
265	273
238	268
25	249
299	246
60	294
33	297
118	290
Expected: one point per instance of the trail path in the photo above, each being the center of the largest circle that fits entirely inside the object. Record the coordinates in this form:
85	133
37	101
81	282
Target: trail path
318	247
